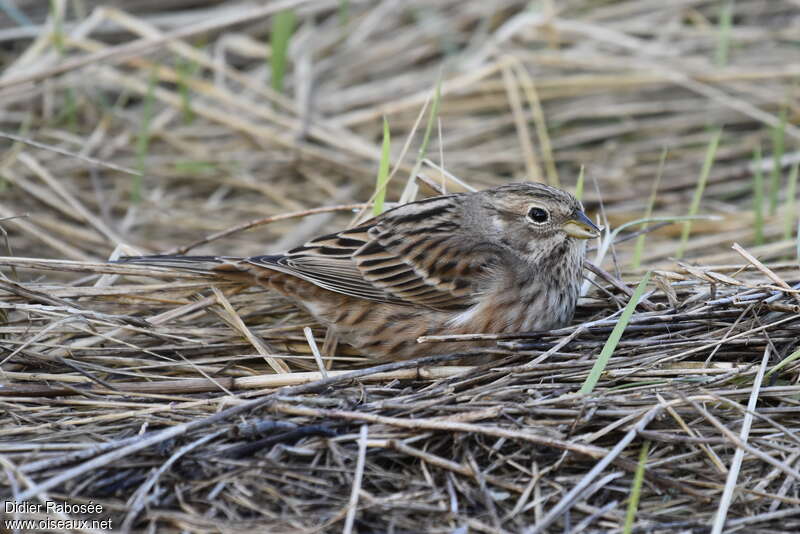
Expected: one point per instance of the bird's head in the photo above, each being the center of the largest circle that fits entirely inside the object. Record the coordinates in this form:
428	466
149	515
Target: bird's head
535	219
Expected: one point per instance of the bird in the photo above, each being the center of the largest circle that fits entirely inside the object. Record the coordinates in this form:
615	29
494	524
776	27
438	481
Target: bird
502	260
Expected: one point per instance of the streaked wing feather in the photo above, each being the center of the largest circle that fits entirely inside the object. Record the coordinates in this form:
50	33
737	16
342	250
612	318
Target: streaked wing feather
326	262
408	256
417	257
329	277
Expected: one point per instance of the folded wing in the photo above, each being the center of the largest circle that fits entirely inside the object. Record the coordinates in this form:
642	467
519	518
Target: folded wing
411	255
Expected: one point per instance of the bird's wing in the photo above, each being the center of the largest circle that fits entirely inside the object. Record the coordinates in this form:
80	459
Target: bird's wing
410	256
327	262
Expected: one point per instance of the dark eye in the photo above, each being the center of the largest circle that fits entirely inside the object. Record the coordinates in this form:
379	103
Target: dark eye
538	215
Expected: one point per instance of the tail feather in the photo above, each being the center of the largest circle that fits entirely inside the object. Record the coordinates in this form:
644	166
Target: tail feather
195	264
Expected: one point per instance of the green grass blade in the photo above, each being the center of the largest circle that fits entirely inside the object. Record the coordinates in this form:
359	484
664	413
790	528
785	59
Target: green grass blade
143	138
282	29
758	197
711	153
68	115
58	27
579	184
783	363
778	147
791	202
724	33
410	190
186	69
639	248
636	489
13	150
611	343
383	171
434	114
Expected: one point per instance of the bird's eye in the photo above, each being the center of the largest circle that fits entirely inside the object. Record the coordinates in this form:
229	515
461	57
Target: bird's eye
538	215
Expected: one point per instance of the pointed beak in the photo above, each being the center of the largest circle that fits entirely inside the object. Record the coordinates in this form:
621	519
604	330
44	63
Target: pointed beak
581	227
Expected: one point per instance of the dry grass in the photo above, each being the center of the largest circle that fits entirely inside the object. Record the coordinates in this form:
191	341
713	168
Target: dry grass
184	408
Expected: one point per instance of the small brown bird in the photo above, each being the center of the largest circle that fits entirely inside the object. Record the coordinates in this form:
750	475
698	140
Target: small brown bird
507	259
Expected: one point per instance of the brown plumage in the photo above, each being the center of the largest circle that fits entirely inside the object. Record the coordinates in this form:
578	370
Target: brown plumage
506	259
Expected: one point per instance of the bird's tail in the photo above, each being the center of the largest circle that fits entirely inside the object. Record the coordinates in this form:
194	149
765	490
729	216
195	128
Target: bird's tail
211	265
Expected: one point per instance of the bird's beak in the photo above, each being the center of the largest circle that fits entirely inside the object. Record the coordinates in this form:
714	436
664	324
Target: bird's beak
581	226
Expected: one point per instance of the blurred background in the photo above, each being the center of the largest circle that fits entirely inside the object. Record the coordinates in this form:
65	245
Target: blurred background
159	123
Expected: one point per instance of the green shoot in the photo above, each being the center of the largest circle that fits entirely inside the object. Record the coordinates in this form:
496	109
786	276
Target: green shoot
698	192
68	115
434	114
282	29
783	363
778	133
186	69
791	202
639	249
383	171
15	149
724	39
611	343
410	190
778	148
758	197
344	12
636	489
143	139
579	184
58	27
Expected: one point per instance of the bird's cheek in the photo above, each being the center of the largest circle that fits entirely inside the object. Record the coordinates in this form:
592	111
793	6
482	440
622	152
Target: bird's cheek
539	246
